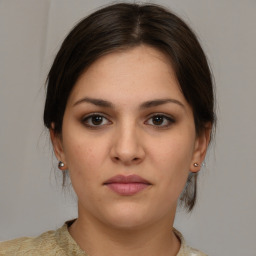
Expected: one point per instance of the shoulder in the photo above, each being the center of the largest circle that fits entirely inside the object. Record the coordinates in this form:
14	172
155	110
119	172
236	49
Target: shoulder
57	243
45	244
194	252
186	250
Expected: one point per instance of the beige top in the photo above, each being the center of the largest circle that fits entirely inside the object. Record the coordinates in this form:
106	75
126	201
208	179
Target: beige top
60	243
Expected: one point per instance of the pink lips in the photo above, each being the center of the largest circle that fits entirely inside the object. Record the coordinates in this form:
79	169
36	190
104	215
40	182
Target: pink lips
127	185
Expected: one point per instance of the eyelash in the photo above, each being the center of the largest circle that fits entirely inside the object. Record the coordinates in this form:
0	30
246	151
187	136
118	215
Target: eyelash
165	118
92	126
169	120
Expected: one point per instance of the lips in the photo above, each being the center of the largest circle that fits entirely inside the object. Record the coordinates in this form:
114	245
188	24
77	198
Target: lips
127	185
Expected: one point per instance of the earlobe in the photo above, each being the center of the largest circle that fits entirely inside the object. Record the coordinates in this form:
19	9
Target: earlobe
61	166
57	145
201	145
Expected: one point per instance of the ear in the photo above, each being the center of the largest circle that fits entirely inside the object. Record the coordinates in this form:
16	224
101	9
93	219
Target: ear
200	149
57	145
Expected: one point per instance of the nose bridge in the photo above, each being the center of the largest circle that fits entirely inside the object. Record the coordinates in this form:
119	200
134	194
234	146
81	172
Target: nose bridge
127	136
127	146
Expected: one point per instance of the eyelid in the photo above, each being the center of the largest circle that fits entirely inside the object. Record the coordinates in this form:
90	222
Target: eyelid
86	117
168	117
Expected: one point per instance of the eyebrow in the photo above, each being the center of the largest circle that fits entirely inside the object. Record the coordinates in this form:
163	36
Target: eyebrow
144	105
158	102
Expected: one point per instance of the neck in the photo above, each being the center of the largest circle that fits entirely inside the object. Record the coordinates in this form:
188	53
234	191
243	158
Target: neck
98	239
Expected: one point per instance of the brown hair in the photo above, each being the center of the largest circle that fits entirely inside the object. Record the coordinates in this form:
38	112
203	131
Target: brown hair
122	26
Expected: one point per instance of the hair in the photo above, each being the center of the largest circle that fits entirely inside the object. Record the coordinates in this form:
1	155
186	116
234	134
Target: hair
123	26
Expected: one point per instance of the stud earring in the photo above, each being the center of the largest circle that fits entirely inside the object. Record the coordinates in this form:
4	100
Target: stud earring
196	164
61	165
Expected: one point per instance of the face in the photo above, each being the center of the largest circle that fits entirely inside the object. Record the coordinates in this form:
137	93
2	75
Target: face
128	139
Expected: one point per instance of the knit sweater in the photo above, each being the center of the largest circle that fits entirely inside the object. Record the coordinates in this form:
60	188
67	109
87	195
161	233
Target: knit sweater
60	243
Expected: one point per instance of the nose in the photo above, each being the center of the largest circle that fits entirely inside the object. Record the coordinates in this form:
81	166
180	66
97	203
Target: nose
127	146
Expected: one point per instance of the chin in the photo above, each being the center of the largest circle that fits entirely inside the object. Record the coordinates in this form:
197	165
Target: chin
128	223
129	217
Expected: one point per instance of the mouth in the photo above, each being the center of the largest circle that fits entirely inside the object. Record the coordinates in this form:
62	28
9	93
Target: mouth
127	185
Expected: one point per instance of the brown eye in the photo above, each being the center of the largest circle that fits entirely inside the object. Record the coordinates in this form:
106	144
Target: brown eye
157	120
160	121
95	120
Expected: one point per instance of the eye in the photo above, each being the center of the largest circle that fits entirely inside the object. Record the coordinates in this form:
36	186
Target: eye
95	120
160	120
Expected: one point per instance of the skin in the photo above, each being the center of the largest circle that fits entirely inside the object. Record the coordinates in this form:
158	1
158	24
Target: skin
129	139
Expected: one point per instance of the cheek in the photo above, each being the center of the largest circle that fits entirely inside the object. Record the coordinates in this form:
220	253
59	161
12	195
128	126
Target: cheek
83	156
172	159
174	153
84	168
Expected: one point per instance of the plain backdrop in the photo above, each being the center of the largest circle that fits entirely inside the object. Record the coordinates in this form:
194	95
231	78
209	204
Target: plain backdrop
31	197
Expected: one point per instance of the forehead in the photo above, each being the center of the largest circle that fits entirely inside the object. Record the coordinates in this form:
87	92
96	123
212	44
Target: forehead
138	74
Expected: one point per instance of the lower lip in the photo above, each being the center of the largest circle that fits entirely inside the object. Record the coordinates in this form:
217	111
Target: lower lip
127	189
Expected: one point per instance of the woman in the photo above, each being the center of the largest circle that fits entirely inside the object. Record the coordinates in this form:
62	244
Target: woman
130	111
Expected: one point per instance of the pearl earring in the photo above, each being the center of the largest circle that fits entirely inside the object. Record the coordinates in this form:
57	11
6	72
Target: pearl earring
61	165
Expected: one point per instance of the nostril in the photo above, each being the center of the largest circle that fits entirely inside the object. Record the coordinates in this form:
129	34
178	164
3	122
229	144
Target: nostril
131	160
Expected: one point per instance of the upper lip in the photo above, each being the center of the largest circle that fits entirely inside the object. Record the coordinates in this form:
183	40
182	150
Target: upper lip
126	179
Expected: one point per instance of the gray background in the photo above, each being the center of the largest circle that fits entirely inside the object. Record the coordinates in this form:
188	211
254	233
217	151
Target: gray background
31	198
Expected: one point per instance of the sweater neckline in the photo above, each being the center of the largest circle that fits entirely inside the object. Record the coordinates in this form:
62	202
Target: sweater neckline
70	245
